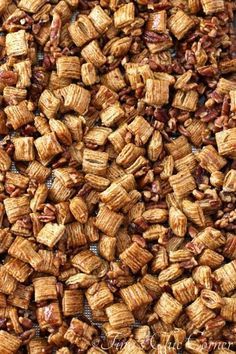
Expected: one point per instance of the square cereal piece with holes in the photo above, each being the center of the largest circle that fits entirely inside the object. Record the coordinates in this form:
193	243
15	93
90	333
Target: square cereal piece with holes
95	162
226	142
16	43
157	92
141	129
24	149
21	297
82	31
45	289
18	115
187	101
182	183
17	207
9	344
93	54
50	234
68	67
72	302
135	296
99	295
100	19
47	147
18	269
135	257
49	316
108	221
124	16
49	104
212	6
180	23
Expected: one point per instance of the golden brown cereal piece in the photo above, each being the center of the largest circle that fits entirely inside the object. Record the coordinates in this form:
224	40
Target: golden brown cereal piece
168	308
157	92
226	275
98	295
72	302
49	263
49	316
202	275
18	269
9	344
180	23
24	149
49	104
124	15
114	80
59	192
157	21
107	247
198	314
47	147
210	238
129	154
112	115
182	183
233	100
105	96
194	346
82	30
108	221
135	257
228	309
86	261
97	136
95	162
229	184
88	74
210	6
23	249
211	258
187	101
179	147
135	296
155	146
138	74
178	222
210	159
100	19
185	291
50	234
31	5
154	232
187	162
36	345
75	98
115	196
5	161
131	346
75	235
16	43
37	171
225	141
211	299
196	129
45	289
13	95
79	209
7	283
224	86
194	212
21	297
170	273
80	334
16	208
141	129
68	67
155	215
18	115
